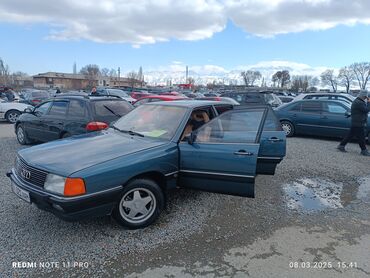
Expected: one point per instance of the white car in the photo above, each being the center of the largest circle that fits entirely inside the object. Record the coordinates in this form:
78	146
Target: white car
10	111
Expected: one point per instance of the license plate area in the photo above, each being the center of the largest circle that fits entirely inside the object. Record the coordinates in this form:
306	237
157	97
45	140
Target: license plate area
23	194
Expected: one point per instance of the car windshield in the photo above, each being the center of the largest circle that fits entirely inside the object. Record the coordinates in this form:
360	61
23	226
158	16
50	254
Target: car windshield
119	93
156	121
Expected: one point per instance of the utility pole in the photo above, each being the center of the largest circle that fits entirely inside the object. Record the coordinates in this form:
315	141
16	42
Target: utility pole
119	76
187	75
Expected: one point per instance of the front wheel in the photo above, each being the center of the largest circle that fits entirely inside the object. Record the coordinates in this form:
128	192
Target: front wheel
22	137
12	116
288	128
140	204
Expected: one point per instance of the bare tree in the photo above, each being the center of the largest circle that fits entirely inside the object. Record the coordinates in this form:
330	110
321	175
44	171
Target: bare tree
133	78
361	72
4	72
250	76
281	77
346	77
112	73
328	78
91	72
301	83
105	71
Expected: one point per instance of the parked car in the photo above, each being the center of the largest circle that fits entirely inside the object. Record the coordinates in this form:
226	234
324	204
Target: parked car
34	97
67	115
286	99
126	169
223	99
155	98
11	111
328	96
329	118
116	92
138	95
254	98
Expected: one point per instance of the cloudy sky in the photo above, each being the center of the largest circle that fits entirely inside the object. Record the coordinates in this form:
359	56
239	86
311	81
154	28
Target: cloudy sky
40	35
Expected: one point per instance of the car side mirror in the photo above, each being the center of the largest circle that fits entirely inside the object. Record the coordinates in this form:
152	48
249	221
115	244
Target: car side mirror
28	110
347	114
191	138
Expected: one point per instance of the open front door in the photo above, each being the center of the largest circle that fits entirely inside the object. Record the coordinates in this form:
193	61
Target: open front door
223	157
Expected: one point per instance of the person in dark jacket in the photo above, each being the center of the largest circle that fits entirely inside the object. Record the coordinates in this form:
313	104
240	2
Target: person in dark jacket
9	94
359	113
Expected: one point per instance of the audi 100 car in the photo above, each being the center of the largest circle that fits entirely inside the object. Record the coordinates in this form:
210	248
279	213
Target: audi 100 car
125	171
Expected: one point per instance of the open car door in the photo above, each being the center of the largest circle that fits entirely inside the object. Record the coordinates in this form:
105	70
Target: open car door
272	145
221	156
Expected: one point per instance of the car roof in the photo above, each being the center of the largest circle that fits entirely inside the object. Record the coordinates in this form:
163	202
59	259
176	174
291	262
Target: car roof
86	97
164	97
187	103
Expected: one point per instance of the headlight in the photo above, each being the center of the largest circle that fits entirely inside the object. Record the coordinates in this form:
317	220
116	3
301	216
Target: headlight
54	183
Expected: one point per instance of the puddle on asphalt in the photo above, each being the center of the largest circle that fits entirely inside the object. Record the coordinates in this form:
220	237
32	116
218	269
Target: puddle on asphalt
313	194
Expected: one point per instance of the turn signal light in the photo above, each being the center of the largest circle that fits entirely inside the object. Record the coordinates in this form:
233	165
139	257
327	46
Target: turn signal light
74	187
94	126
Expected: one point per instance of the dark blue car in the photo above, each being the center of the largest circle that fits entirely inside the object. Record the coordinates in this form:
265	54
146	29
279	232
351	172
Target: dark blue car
330	118
126	170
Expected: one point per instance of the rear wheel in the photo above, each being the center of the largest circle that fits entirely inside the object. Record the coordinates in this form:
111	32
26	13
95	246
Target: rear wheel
140	204
288	128
12	116
22	137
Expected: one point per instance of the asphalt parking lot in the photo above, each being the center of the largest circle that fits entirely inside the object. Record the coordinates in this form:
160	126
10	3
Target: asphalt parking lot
312	219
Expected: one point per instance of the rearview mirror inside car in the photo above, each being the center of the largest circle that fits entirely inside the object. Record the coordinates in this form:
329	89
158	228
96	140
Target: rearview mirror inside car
347	114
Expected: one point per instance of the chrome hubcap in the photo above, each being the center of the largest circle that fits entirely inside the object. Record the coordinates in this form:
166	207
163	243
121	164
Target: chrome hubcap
13	117
286	128
20	134
137	205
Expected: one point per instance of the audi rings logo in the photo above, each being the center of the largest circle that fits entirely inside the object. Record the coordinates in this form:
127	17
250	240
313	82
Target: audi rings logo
25	174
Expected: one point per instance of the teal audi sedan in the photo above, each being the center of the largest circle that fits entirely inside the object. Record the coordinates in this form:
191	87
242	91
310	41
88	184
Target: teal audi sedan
125	171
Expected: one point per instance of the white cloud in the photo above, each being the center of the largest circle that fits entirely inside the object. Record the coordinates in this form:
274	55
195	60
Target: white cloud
129	21
151	21
268	18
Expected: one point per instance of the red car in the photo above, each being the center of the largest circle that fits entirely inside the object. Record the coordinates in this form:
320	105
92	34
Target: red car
154	98
139	95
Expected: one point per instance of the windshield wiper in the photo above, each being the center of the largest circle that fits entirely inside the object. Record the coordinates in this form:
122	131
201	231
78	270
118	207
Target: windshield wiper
131	132
114	113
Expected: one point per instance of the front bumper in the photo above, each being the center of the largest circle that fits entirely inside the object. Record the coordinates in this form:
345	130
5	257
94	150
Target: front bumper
70	208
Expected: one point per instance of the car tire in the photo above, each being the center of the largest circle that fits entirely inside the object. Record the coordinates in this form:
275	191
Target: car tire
21	135
140	204
288	127
12	116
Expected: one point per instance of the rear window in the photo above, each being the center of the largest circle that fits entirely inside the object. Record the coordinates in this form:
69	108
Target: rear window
111	108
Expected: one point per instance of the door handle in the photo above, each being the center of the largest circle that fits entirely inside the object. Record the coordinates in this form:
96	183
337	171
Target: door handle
323	117
243	152
275	139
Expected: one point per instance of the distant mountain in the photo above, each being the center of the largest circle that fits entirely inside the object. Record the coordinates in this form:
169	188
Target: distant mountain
210	73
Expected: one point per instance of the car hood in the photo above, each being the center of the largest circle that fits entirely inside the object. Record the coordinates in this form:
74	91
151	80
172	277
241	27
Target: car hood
64	157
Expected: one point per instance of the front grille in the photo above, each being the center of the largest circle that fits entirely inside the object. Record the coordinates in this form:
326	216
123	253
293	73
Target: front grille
29	174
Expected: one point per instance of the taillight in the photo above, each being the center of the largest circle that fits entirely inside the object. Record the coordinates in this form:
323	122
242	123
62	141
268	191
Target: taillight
36	100
94	126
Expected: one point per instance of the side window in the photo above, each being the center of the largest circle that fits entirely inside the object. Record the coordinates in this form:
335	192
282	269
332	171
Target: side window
59	108
223	108
335	108
271	122
76	109
43	108
232	127
311	107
